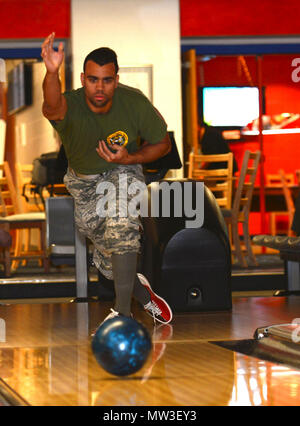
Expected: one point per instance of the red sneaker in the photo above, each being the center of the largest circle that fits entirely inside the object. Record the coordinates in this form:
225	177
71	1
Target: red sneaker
157	307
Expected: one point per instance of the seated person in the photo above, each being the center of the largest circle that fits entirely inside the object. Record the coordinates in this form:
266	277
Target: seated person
5	238
212	142
5	241
296	219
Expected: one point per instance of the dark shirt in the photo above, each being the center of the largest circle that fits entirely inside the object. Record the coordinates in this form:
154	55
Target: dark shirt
213	143
296	219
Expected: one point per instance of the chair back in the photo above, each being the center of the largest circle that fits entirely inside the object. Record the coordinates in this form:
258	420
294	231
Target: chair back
243	194
218	180
275	180
8	193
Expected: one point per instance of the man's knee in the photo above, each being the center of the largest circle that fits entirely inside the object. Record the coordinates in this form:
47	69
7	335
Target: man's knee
122	235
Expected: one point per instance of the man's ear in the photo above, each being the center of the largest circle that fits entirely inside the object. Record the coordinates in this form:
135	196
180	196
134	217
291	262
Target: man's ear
82	78
117	79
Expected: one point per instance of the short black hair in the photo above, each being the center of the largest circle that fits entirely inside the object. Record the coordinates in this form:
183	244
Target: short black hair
102	56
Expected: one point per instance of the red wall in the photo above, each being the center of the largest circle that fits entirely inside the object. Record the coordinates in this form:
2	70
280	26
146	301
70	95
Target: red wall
235	17
34	18
37	18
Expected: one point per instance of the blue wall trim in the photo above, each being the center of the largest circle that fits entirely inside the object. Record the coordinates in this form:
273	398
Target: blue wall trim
242	49
21	53
201	49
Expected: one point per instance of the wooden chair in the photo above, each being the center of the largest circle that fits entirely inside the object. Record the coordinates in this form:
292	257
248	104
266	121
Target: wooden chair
288	200
276	180
219	181
11	218
28	201
241	208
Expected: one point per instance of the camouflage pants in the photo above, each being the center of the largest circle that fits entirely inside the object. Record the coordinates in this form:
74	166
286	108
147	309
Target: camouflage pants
109	234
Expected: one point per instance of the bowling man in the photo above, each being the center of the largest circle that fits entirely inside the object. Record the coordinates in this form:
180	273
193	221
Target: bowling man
89	121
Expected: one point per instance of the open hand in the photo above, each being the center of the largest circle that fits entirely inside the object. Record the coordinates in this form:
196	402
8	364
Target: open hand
52	59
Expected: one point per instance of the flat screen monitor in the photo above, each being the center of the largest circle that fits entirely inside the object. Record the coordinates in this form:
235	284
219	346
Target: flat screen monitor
230	107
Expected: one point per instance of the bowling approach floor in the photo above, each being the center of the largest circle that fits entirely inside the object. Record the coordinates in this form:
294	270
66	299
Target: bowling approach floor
46	358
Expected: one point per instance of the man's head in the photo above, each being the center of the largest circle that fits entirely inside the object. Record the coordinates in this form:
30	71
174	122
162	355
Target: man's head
100	79
102	56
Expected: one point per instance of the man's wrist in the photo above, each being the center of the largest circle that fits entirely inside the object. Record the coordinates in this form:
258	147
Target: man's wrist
133	158
52	73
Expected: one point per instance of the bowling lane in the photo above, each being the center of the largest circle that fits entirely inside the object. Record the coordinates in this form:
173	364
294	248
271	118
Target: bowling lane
46	358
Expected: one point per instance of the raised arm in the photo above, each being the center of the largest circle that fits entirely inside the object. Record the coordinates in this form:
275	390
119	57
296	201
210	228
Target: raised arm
54	105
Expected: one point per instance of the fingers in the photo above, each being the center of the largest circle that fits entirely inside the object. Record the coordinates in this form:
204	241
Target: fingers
61	47
105	153
47	46
52	58
48	42
52	36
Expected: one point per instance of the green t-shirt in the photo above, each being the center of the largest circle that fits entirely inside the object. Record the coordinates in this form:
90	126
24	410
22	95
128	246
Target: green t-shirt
81	129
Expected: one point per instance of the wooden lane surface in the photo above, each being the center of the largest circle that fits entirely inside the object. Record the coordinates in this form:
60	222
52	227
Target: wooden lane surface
45	357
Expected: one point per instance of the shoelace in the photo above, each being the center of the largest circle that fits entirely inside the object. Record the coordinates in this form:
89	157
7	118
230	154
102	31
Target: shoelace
154	309
112	314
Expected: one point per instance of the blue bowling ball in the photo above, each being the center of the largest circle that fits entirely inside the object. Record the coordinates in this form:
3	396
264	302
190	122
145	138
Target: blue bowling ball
121	346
